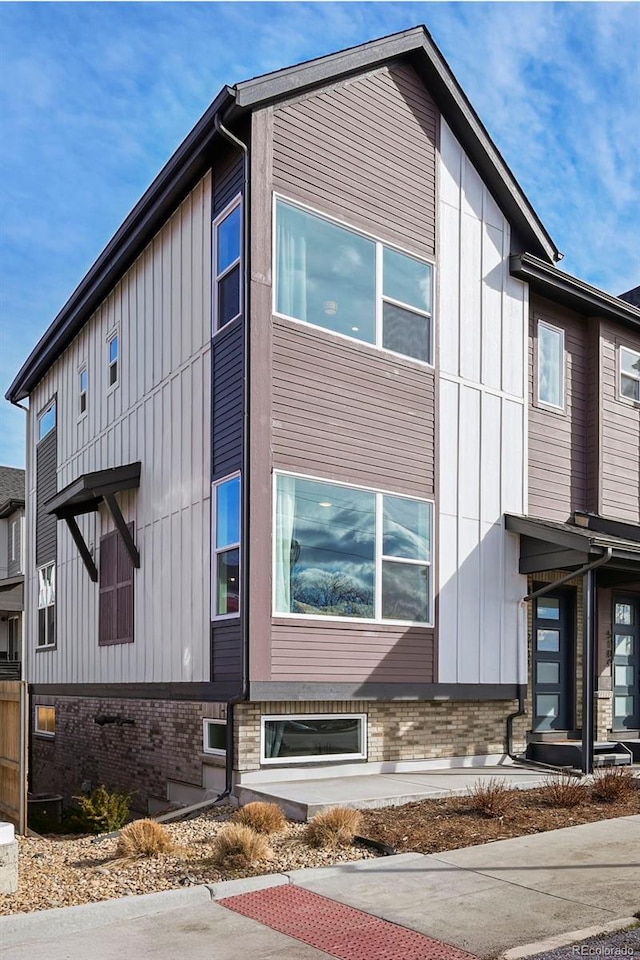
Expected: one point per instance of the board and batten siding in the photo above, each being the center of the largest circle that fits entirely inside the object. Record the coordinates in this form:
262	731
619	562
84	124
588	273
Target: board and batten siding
159	413
558	438
620	431
482	411
362	150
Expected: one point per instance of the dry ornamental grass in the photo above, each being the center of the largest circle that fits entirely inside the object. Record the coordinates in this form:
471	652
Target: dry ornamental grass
492	799
238	846
262	817
563	790
333	828
610	786
144	838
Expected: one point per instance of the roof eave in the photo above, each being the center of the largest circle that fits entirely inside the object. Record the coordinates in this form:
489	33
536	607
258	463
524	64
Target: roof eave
548	281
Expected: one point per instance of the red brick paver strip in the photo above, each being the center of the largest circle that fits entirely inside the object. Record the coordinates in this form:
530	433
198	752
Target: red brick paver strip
337	929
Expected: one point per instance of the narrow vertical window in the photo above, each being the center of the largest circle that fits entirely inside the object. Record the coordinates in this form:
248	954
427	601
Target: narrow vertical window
550	365
228	264
114	359
629	374
226	539
13	539
47	420
83	383
47	605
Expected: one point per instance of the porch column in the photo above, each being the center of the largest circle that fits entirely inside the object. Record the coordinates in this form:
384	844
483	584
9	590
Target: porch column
588	662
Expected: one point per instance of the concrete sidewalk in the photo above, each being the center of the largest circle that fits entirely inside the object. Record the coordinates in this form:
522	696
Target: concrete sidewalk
483	899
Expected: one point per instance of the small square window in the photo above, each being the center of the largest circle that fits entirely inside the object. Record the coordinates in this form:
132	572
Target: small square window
214	737
45	721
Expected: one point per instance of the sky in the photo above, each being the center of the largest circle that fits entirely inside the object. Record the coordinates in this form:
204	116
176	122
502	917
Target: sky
95	97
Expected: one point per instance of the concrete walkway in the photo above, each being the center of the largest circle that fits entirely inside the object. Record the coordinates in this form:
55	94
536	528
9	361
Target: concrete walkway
482	900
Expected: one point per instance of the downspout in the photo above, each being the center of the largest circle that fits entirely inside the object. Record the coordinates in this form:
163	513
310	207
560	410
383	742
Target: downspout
588	662
25	740
243	695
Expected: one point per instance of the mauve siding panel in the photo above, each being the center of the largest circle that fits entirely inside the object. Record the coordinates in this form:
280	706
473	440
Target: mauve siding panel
365	151
620	432
47	487
558	440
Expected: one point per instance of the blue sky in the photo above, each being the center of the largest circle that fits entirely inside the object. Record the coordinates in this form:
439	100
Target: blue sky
94	97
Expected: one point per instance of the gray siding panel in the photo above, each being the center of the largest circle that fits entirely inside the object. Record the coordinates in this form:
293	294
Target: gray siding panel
620	431
227	181
226	645
47	487
227	397
558	440
364	150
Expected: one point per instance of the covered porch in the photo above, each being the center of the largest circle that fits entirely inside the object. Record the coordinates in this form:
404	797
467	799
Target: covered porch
11	625
583	603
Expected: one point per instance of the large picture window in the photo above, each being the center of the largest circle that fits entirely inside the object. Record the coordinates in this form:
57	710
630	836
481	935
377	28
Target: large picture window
333	277
550	365
343	551
226	538
227	233
629	374
47	605
313	738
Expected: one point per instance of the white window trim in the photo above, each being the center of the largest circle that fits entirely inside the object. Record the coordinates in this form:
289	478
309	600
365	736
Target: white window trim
630	401
211	751
113	335
45	566
36	728
545	403
83	369
217	277
216	617
379	557
321	758
380	298
45	410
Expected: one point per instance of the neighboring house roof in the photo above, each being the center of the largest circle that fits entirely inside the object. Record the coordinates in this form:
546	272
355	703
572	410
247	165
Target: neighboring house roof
631	296
12	490
194	156
548	281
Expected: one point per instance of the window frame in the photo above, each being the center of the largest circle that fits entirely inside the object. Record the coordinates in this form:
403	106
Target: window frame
114	335
82	394
629	401
558	408
13	531
37	729
212	751
47	645
51	405
216	551
218	277
379	557
320	758
380	298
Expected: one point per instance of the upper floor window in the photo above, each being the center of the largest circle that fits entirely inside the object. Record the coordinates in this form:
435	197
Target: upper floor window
47	605
550	365
630	374
343	551
47	420
83	378
13	541
114	359
228	264
332	277
226	539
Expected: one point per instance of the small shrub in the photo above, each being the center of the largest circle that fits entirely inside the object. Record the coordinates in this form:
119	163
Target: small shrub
612	785
104	811
563	790
144	838
333	828
238	846
262	817
492	798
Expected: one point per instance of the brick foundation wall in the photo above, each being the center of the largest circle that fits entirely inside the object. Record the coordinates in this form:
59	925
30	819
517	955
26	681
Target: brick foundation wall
164	743
399	729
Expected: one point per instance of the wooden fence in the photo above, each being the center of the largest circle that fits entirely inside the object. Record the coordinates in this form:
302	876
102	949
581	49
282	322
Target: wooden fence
13	752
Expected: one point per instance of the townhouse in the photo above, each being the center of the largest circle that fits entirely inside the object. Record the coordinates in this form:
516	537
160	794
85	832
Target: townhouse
11	571
330	469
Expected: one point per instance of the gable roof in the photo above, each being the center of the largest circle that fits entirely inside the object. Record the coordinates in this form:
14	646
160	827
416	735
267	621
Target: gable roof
12	490
631	296
194	156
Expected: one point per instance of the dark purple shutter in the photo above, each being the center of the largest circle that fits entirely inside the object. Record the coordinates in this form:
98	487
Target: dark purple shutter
116	591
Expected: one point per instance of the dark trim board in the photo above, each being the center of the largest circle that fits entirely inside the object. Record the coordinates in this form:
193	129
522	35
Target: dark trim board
292	691
206	692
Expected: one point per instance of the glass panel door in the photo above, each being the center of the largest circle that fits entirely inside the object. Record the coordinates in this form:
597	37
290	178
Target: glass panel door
553	661
626	663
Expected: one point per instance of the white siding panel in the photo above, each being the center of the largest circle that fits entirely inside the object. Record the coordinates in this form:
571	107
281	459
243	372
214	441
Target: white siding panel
482	432
159	413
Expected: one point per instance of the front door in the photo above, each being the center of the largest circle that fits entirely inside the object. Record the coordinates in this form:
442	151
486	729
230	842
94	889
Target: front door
626	663
553	650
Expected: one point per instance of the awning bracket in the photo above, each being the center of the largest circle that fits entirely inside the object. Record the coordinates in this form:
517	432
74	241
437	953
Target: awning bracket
83	549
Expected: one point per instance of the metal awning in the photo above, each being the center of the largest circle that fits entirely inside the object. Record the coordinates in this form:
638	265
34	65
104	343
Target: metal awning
10	582
85	494
549	545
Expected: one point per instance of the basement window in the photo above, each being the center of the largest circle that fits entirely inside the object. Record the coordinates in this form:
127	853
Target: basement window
318	738
214	737
45	721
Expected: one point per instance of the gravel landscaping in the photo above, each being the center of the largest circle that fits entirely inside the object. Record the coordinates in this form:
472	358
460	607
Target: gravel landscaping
58	871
